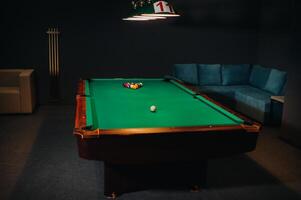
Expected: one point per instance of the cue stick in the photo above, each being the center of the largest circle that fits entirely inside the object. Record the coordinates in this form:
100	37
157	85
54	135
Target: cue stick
57	60
53	64
49	51
57	53
54	52
50	61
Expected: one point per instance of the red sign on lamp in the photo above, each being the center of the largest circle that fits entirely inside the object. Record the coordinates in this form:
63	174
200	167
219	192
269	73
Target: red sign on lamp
162	7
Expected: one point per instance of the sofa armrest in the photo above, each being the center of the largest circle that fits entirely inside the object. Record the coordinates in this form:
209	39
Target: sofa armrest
27	91
279	99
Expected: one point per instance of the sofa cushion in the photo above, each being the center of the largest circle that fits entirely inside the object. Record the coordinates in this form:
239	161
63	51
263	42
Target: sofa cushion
235	74
275	82
186	72
259	76
209	74
253	102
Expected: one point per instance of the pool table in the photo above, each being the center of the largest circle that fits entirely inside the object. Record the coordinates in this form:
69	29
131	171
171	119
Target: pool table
166	148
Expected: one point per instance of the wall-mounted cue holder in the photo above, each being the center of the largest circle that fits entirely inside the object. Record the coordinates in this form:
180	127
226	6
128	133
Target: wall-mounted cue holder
54	63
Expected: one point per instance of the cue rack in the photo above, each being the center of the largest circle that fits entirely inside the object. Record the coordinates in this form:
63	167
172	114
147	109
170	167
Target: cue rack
54	63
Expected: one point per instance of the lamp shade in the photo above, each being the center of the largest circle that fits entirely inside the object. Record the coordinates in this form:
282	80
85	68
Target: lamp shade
144	10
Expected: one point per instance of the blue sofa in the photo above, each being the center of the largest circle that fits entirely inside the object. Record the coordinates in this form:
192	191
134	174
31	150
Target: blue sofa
243	87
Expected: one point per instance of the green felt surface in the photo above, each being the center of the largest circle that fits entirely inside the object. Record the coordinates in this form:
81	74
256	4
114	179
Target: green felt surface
111	105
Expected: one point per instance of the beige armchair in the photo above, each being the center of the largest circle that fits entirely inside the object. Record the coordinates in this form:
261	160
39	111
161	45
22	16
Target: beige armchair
17	91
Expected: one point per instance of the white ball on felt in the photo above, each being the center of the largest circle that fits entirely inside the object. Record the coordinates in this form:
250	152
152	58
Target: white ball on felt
153	108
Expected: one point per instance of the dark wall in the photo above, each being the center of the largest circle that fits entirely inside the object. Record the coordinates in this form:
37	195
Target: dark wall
279	46
95	42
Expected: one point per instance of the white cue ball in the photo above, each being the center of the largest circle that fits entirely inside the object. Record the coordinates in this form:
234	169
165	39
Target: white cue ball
153	108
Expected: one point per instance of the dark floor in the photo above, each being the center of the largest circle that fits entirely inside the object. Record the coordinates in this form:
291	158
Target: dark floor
38	160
